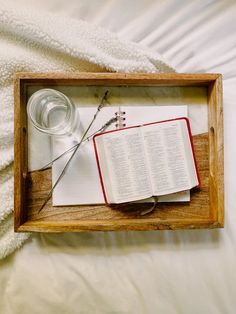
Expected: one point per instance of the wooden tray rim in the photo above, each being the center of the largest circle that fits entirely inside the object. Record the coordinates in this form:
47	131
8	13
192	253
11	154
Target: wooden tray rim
215	120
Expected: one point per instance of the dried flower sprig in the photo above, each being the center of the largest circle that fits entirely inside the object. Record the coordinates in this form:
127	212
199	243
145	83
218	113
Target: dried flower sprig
101	105
102	129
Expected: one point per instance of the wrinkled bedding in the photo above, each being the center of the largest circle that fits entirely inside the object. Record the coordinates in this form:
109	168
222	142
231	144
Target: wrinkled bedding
141	272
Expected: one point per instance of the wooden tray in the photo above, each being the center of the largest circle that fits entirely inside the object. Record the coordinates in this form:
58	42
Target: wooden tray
206	209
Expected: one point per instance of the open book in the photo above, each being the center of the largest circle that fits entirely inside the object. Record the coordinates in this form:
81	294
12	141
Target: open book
147	160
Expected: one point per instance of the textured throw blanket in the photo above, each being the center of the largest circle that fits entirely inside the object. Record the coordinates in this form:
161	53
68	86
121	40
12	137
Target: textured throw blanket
40	42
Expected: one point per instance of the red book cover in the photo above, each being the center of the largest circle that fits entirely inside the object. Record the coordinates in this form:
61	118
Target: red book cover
118	130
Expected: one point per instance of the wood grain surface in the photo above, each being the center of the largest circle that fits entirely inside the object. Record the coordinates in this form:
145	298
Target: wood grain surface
206	209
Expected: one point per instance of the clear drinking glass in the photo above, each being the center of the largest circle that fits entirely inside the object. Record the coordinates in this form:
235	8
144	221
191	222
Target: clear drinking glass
53	113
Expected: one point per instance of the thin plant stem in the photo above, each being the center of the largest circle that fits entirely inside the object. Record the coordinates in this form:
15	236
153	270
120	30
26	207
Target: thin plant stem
112	120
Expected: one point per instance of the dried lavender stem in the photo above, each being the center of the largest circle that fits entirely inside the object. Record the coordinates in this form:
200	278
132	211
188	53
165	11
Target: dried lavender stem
73	147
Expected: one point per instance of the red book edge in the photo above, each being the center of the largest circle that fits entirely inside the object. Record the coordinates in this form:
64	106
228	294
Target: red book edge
136	126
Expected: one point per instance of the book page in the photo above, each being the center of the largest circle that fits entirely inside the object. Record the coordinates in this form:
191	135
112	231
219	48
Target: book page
165	150
123	165
194	180
148	114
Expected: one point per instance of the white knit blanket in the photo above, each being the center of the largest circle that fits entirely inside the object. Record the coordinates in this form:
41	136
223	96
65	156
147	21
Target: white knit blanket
40	43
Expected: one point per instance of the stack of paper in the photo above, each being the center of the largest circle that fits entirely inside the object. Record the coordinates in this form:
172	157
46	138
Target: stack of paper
81	183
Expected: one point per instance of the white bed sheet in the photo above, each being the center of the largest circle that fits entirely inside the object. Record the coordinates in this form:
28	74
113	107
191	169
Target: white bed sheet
141	272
